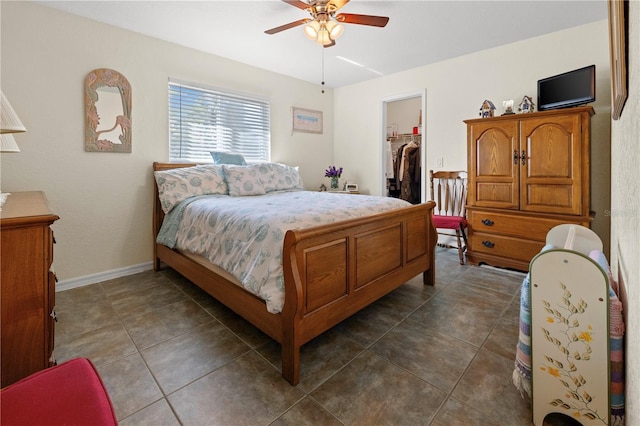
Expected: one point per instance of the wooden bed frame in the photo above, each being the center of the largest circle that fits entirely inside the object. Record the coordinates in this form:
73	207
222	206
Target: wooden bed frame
330	272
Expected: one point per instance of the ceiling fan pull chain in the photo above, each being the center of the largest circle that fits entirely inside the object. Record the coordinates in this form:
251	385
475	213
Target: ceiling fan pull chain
322	49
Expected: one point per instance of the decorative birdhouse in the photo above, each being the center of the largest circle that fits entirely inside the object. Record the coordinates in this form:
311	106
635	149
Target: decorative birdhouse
487	109
526	105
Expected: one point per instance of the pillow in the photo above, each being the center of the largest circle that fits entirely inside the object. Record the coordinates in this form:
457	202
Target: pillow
281	177
244	180
227	158
176	185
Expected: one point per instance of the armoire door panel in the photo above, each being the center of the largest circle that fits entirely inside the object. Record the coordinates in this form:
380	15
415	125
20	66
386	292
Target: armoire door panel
493	146
550	198
549	159
496	194
550	178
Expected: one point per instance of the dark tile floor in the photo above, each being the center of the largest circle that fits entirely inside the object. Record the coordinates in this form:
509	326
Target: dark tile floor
169	354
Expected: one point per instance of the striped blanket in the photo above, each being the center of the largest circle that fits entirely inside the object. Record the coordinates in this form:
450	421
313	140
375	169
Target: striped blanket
522	371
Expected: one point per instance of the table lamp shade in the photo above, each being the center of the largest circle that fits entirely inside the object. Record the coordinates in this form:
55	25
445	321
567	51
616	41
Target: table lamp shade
8	144
9	120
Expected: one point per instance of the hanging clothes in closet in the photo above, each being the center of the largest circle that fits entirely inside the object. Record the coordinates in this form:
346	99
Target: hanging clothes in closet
408	171
393	155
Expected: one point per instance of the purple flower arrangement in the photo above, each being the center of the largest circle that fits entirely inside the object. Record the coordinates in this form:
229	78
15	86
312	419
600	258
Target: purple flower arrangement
333	172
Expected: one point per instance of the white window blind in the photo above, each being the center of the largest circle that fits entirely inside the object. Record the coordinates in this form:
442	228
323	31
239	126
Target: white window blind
202	120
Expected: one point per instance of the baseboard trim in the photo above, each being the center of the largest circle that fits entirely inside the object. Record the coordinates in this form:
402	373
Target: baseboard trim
103	276
504	270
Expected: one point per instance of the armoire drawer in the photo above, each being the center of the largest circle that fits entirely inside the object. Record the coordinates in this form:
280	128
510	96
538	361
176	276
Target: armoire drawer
509	247
516	225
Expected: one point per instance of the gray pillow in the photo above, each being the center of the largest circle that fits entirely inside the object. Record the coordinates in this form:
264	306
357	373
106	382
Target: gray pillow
227	158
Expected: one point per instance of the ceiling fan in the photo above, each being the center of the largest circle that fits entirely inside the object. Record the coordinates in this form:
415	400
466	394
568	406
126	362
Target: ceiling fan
324	26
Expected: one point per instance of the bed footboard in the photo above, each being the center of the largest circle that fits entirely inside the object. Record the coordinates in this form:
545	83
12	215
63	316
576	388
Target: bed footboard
335	270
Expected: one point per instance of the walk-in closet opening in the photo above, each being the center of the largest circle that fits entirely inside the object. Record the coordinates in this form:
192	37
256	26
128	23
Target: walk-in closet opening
403	147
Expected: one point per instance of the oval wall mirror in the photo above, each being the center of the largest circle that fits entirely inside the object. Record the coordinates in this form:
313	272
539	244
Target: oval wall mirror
107	96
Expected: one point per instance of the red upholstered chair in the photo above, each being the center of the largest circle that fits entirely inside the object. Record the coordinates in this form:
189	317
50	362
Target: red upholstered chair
71	393
449	191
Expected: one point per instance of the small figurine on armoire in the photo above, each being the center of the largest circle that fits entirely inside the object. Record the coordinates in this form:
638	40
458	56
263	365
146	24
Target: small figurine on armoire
526	105
487	109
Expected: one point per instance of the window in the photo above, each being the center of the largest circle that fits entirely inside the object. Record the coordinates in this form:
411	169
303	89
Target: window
202	120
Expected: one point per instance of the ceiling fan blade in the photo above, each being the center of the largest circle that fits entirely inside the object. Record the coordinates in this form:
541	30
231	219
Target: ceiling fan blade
350	18
337	4
297	3
287	26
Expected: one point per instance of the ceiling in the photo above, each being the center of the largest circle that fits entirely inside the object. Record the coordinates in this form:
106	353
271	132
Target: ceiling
418	33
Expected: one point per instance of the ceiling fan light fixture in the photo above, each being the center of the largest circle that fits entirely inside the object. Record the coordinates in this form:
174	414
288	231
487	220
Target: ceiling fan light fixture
323	32
324	26
324	37
311	30
335	29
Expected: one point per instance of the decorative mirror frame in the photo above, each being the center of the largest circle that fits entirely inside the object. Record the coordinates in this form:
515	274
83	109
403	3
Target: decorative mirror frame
93	82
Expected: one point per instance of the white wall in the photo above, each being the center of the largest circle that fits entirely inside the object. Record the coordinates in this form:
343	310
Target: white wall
104	199
625	214
455	91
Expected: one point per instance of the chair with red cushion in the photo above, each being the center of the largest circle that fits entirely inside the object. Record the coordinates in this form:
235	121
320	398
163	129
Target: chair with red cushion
449	191
71	393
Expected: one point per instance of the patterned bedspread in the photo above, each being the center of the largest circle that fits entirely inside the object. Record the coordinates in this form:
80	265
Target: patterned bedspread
245	235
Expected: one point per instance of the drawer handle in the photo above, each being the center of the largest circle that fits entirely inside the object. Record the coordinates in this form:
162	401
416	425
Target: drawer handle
488	244
487	222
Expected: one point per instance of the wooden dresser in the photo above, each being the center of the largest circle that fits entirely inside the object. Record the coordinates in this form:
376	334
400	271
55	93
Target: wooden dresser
527	174
27	285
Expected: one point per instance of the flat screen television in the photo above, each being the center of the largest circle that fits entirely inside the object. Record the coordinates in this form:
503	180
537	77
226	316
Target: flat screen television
572	88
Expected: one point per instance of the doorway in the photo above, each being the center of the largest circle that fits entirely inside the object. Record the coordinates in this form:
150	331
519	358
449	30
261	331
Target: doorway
397	129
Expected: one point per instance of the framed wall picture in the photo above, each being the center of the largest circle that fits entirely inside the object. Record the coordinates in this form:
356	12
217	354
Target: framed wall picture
618	30
306	120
